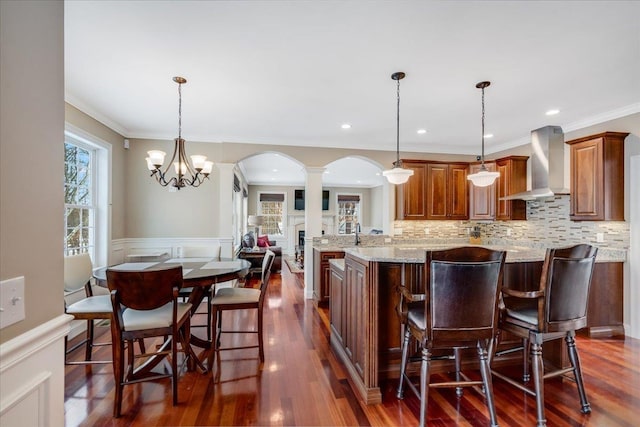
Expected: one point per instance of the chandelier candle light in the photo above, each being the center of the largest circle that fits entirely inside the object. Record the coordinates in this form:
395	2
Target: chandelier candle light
398	175
186	174
483	178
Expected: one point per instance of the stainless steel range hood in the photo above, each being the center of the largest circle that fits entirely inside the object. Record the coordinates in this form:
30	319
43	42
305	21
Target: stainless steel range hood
547	165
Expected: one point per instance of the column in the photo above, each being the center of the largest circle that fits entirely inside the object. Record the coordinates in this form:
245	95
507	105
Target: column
312	222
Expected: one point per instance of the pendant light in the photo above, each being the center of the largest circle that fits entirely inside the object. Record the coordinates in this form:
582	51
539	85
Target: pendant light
398	175
186	174
483	178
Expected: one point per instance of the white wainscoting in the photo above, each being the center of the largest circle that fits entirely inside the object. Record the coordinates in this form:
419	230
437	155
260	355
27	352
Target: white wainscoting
121	249
32	376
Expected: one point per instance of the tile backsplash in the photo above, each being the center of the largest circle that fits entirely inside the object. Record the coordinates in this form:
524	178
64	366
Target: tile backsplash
548	224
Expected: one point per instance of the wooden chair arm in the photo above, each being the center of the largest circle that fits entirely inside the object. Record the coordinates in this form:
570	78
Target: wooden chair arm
409	297
522	294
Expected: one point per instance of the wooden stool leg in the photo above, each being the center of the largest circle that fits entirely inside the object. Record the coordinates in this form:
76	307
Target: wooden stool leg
403	366
89	343
458	363
424	385
486	382
577	372
538	379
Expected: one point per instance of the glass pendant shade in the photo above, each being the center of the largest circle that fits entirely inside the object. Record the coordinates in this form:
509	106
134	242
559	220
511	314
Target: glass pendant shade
483	178
398	175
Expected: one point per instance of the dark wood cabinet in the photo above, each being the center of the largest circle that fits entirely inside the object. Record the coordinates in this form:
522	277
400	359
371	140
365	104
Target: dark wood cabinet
597	177
447	196
337	312
512	180
482	200
322	274
411	197
355	280
437	190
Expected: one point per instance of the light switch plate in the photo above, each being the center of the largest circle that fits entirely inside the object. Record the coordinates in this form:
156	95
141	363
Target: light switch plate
11	301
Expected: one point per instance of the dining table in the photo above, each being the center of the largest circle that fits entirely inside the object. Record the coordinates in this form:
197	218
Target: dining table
199	274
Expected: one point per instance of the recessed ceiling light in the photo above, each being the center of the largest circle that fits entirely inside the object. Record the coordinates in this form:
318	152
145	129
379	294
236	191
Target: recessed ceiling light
327	171
346	126
488	135
422	131
358	182
552	112
377	173
274	170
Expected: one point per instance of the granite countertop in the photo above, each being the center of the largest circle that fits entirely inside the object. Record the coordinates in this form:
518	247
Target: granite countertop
417	254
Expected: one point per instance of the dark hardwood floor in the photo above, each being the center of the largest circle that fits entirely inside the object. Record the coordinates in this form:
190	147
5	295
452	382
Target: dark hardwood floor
302	383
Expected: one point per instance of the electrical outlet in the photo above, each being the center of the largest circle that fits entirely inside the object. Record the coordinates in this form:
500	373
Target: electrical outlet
397	231
427	230
324	241
387	239
599	237
508	232
11	301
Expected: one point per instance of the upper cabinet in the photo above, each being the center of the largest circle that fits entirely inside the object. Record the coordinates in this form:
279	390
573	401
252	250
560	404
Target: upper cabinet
482	200
597	177
512	180
411	197
487	203
436	190
440	190
447	196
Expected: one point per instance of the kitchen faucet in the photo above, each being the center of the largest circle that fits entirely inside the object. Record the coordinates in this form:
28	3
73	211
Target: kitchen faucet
357	235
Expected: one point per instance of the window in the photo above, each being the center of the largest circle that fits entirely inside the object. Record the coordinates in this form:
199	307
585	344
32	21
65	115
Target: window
87	189
79	199
272	207
348	213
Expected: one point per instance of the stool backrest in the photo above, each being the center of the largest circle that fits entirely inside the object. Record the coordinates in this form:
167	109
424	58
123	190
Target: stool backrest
145	290
566	281
462	295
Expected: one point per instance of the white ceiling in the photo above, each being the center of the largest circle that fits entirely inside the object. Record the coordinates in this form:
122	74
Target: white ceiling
291	72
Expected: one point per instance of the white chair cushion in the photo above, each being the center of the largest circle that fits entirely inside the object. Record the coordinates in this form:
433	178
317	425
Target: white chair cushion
162	317
236	296
97	304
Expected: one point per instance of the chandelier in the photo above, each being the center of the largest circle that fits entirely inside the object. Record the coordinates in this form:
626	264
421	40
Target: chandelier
185	173
483	178
398	175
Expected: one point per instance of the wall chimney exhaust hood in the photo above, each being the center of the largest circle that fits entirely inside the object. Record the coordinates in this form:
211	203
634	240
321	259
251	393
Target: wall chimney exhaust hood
547	165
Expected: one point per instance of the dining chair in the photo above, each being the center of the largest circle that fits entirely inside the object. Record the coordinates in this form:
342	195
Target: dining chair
145	304
460	310
555	310
240	299
82	304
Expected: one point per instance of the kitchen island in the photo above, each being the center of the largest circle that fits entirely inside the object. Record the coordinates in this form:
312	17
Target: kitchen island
365	330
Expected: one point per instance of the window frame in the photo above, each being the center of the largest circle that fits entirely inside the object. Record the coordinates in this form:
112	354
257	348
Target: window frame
358	213
102	182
